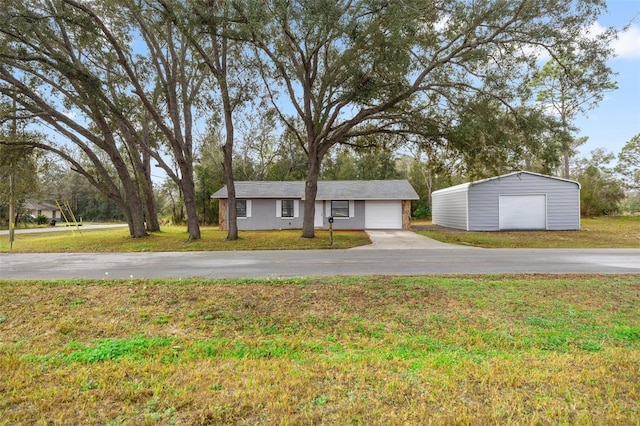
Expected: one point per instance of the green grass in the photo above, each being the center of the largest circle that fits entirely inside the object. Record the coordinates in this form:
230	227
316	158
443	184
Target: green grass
610	232
173	238
604	232
522	349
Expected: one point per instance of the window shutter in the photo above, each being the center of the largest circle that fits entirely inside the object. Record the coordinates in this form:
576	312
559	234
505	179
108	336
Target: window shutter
278	208
352	209
248	208
296	208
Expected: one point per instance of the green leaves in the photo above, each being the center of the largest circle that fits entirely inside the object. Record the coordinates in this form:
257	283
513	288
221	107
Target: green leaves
600	191
135	78
629	163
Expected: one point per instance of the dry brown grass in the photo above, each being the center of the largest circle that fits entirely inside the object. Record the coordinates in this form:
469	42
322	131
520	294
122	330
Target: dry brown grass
375	350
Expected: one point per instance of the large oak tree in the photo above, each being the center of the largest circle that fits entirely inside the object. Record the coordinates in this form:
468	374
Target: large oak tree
350	68
119	81
55	59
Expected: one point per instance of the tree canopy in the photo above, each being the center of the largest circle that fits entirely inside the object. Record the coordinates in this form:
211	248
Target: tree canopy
629	163
352	68
571	83
125	84
600	190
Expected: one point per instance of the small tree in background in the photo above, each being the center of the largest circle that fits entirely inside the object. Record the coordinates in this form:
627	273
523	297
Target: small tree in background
629	163
601	192
629	170
573	82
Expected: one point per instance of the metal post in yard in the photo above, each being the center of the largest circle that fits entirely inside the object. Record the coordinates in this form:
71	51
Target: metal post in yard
331	230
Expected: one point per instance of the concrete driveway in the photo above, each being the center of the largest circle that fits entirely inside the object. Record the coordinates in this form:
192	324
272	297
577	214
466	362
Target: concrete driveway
403	240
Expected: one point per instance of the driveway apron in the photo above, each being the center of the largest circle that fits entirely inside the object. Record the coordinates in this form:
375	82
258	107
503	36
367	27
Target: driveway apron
403	240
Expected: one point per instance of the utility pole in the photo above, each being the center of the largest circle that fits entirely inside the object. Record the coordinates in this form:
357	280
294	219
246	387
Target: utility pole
12	203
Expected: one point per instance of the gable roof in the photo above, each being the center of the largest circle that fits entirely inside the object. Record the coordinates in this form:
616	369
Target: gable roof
327	190
468	184
32	204
524	172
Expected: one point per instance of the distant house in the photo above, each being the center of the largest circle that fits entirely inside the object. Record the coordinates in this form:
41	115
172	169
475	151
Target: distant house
515	201
354	204
52	212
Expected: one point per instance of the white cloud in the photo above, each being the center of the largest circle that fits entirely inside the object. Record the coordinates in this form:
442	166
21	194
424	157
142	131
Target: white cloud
627	45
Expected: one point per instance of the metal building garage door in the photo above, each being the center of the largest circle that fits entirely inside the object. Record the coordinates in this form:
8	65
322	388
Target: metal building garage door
383	214
523	212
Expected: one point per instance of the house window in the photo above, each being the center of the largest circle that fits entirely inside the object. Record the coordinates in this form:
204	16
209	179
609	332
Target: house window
340	208
241	208
287	208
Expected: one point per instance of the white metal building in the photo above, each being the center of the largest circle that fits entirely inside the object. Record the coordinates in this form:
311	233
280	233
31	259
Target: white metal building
515	201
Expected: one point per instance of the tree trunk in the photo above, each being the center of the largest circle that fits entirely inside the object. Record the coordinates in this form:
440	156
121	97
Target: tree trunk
310	192
153	224
227	156
227	164
567	142
133	205
136	224
133	211
189	197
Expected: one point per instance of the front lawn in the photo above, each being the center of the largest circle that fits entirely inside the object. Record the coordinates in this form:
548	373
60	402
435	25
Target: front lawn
522	349
173	238
604	232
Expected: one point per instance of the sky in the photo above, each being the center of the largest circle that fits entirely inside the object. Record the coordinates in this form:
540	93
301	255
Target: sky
617	118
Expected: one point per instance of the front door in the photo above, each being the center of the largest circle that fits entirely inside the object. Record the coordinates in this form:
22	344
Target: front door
318	219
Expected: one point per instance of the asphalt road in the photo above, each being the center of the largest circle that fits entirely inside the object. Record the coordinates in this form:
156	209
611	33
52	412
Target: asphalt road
317	263
62	228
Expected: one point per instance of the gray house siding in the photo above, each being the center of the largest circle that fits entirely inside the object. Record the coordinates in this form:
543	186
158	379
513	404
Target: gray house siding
263	217
483	198
449	208
355	222
263	211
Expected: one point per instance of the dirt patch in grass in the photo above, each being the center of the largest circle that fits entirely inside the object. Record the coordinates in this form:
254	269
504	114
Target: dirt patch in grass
375	350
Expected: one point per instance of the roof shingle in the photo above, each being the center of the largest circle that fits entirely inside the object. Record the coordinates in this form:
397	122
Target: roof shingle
327	190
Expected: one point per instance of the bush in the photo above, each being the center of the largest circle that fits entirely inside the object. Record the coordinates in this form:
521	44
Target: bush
42	219
27	218
422	212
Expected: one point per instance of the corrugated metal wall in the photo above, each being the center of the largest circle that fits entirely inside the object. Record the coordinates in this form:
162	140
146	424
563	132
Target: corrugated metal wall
475	206
449	207
563	200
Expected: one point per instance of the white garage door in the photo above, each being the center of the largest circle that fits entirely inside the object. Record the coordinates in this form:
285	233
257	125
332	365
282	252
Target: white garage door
523	211
383	214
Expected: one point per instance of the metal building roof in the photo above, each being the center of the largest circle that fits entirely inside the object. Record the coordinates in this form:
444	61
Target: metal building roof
465	186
